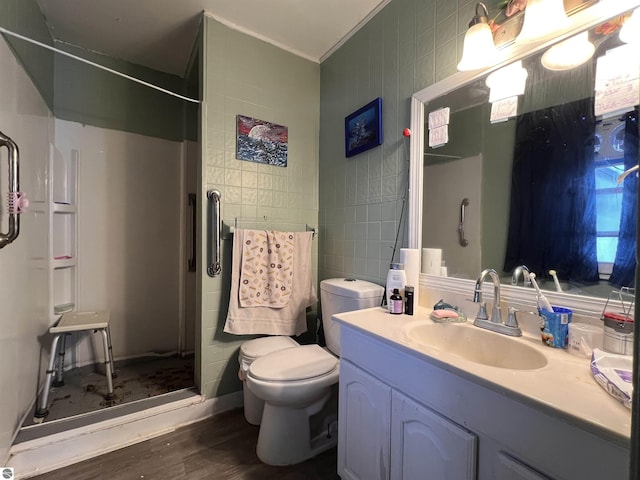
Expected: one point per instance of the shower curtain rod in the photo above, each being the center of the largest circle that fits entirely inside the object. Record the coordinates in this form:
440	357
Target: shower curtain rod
97	65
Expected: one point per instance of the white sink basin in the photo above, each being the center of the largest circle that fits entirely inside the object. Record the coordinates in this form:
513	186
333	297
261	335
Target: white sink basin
477	345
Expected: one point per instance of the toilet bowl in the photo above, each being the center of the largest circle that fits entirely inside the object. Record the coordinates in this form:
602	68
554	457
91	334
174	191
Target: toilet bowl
295	384
298	384
249	352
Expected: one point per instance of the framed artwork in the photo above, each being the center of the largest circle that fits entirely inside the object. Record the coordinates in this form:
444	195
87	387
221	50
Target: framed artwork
260	141
363	128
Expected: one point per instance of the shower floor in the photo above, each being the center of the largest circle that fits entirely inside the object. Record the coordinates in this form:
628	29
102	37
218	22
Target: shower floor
84	389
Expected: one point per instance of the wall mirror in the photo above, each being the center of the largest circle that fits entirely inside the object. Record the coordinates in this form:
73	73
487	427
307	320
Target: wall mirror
528	174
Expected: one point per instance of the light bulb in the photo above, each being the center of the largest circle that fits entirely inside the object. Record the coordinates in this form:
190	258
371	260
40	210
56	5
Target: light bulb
542	19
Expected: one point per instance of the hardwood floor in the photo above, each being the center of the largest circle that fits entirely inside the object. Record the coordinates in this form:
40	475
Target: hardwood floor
220	448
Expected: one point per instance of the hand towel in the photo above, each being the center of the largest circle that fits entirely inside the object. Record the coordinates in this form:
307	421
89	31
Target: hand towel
267	269
288	320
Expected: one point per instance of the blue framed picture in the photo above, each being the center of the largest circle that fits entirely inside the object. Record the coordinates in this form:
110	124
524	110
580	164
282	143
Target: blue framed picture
363	128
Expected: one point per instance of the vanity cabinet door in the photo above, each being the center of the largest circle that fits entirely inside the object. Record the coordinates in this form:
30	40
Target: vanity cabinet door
426	445
363	425
508	468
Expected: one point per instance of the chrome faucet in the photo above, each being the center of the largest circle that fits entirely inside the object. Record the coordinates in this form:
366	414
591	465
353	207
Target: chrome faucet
524	271
496	314
495	323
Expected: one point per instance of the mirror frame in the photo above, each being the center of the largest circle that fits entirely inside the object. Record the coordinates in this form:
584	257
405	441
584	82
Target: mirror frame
580	21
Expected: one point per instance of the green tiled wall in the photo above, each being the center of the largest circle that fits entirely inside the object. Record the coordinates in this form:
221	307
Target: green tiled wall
406	47
246	76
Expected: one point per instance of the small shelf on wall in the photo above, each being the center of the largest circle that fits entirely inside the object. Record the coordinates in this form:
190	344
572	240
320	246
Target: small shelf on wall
64	288
63	262
63	235
64	208
64	177
63	308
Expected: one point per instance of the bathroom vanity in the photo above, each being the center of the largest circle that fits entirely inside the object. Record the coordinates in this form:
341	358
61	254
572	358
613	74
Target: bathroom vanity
452	401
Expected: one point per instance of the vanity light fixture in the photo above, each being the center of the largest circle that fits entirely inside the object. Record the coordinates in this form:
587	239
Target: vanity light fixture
569	53
630	31
479	51
542	19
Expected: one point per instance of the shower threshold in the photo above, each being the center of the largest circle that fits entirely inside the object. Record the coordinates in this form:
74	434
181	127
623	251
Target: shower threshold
37	431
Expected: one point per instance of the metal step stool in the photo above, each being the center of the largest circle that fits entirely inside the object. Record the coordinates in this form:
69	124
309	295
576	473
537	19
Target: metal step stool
68	323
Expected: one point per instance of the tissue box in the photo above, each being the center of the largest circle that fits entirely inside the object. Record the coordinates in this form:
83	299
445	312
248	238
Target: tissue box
614	373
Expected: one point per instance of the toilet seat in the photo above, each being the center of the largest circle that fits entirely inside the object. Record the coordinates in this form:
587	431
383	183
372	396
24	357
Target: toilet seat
303	362
258	347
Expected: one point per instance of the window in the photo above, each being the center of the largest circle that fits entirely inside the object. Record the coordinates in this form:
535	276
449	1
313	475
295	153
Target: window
609	164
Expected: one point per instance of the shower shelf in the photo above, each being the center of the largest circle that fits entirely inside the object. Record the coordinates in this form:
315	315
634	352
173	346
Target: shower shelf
63	308
64	262
64	208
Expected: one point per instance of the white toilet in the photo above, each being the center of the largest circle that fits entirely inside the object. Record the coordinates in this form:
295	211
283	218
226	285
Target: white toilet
296	383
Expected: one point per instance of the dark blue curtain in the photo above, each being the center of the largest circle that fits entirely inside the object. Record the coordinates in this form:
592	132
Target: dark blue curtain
624	266
552	221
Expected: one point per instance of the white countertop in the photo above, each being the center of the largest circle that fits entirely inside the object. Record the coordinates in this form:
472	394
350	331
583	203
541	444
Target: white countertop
563	387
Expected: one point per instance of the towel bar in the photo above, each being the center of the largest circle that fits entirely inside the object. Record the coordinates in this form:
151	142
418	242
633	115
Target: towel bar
264	224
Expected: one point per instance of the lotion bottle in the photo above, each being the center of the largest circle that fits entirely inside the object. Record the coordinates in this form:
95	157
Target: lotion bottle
396	278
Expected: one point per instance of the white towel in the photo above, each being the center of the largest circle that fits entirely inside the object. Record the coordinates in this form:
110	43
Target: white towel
288	320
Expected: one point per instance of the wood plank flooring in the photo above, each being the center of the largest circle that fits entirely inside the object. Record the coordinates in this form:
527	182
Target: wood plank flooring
220	448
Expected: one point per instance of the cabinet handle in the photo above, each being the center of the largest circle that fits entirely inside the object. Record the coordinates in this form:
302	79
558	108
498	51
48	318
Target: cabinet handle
17	200
214	269
463	241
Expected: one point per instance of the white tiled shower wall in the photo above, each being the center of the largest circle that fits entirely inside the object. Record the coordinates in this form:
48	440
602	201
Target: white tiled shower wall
130	201
24	295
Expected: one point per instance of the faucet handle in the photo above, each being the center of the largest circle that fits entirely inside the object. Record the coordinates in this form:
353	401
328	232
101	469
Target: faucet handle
512	319
482	313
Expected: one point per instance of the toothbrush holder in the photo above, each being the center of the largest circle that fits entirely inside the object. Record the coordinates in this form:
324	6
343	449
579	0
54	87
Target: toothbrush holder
554	327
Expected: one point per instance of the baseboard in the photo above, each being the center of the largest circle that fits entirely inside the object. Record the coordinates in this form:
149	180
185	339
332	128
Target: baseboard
41	455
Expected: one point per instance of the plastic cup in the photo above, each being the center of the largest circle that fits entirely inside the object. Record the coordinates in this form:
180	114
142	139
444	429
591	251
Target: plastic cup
583	338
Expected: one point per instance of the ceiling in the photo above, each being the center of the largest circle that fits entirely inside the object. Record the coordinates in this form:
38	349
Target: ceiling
160	34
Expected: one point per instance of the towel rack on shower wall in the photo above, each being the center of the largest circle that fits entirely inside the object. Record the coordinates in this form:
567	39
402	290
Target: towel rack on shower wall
215	267
17	201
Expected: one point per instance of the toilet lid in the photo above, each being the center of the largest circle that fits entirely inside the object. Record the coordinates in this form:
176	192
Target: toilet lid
262	346
300	363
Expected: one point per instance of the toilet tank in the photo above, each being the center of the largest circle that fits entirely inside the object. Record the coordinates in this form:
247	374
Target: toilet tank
338	295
